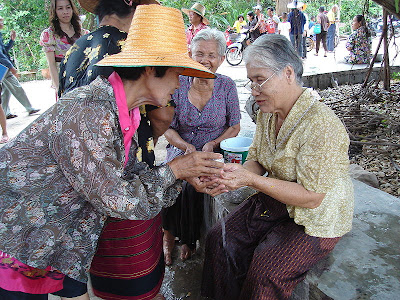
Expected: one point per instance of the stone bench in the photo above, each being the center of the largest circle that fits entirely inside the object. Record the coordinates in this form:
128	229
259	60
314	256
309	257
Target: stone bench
365	264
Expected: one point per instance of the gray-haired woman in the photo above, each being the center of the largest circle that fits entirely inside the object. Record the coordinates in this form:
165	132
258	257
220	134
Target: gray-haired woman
302	207
207	112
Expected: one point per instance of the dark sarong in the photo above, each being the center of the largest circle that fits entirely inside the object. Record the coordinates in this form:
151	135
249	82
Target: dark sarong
262	255
185	217
128	263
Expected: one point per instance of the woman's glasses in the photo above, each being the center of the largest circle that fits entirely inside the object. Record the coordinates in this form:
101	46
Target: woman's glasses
254	86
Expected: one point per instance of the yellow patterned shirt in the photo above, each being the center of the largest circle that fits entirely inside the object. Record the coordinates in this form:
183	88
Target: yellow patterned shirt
310	149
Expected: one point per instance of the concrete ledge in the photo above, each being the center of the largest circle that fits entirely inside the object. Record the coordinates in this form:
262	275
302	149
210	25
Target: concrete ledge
365	264
325	80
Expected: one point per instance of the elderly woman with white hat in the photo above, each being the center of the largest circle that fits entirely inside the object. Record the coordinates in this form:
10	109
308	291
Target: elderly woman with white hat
197	21
78	163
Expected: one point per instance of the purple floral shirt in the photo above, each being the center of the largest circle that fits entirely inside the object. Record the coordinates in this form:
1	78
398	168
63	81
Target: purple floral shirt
199	127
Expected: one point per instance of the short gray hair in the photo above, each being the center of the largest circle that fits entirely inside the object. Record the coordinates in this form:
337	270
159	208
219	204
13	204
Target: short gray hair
276	52
210	34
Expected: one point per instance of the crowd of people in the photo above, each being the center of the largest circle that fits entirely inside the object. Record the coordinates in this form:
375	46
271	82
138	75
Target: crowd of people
82	197
296	25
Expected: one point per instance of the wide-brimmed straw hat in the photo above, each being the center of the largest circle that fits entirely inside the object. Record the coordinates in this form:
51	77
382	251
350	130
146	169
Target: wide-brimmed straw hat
157	38
90	5
295	4
198	9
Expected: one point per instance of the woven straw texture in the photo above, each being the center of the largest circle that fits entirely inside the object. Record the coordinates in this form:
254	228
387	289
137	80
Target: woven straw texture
157	38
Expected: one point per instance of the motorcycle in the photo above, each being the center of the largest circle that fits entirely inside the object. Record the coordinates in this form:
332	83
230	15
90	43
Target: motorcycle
234	52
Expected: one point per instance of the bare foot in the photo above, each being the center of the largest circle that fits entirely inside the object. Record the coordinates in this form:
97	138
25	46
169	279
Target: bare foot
186	252
159	297
168	247
4	139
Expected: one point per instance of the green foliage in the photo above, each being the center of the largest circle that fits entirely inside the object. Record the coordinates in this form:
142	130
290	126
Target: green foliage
29	17
396	75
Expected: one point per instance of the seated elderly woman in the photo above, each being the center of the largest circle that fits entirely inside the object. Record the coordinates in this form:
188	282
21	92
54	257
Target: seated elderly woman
79	163
207	112
304	205
359	42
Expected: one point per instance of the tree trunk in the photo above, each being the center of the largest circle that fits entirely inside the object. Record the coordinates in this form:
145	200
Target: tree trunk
281	6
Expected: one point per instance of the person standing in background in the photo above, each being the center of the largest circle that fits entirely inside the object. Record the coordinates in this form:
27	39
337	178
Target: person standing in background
197	21
11	84
322	19
3	124
284	26
272	20
65	29
333	17
297	20
305	32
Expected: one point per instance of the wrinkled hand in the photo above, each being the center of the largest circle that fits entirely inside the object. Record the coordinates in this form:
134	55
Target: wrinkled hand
208	147
207	185
196	164
190	149
13	35
234	176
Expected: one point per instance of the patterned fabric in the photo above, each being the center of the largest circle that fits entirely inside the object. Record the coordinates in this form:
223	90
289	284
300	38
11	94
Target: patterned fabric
63	174
78	68
199	127
51	42
128	260
128	263
192	31
359	45
310	149
17	276
258	252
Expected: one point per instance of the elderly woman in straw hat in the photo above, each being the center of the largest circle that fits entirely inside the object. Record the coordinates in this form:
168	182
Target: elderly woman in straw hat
197	21
83	164
304	205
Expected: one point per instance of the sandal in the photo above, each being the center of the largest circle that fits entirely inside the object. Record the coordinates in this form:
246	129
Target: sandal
4	139
186	252
168	247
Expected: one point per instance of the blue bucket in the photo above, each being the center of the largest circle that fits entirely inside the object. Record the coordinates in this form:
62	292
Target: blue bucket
235	149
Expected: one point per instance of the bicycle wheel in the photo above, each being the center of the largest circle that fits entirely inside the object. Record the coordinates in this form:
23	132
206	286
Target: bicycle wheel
337	40
234	56
309	44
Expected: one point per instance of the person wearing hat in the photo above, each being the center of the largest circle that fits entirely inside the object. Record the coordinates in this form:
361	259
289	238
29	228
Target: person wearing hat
80	65
197	21
333	17
260	20
84	165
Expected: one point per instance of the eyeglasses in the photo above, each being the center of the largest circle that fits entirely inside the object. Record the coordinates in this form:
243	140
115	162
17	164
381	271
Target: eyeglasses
254	86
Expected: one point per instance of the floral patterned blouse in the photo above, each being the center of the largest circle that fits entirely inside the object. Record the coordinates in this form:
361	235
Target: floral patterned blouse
51	42
310	149
199	127
359	45
64	174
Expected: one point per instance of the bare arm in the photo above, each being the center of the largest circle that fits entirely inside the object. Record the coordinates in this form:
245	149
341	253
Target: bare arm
291	193
51	61
160	119
175	139
228	133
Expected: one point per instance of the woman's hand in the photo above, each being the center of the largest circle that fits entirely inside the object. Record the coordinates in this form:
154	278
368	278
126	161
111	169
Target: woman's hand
234	176
207	185
209	147
196	164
